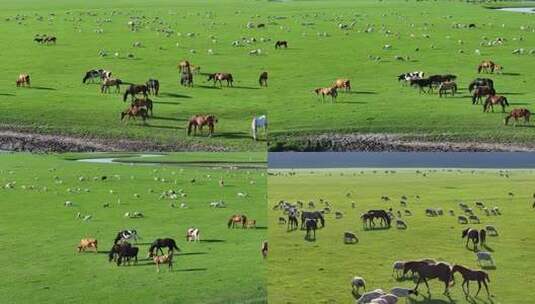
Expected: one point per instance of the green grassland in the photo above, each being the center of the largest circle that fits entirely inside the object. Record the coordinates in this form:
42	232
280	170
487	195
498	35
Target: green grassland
39	234
378	104
321	271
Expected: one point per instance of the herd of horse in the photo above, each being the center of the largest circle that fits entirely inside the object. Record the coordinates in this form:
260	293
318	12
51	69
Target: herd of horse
45	39
479	88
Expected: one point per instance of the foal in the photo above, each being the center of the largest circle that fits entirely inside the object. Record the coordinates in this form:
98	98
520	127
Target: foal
327	91
163	259
472	275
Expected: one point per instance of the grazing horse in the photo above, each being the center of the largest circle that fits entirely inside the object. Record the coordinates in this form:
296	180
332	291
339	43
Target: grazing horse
96	74
495	100
262	80
110	82
471	235
219	77
472	275
133	112
447	86
183	66
126	235
422	83
367	221
237	219
113	254
164	259
344	84
312	215
186	78
310	225
438	79
516	114
158	244
293	223
127	252
134	89
331	91
428	271
153	85
281	43
23	80
50	39
381	215
199	121
259	122
143	103
480	82
480	92
486	66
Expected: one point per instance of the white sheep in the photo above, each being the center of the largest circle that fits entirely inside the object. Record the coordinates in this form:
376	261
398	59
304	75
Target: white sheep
484	256
401	292
385	299
491	230
369	296
68	204
87	217
357	283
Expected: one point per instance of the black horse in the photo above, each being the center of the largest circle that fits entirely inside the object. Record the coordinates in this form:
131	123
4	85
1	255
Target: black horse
134	89
311	226
162	243
422	84
116	249
127	253
481	82
281	43
313	215
438	79
382	215
153	85
186	78
293	223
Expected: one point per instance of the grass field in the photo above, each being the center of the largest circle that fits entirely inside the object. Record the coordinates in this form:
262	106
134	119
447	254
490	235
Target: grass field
59	104
321	271
39	234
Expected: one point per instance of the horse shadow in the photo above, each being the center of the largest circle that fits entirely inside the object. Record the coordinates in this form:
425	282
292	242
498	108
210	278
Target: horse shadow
519	103
229	135
190	269
164	127
174	95
167	102
377	228
246	87
212	241
489	249
43	88
167	118
209	87
192	253
428	300
361	92
7	94
261	227
489	267
511	74
351	102
512	93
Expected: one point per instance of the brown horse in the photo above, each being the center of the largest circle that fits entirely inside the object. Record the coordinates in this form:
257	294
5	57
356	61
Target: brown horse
134	89
516	114
480	92
344	84
327	91
133	112
200	121
281	43
184	65
23	80
447	86
110	82
219	77
487	66
493	100
237	219
146	103
262	80
472	275
428	271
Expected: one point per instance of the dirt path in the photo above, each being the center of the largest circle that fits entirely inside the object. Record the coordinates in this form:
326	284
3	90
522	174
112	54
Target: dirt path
13	140
388	143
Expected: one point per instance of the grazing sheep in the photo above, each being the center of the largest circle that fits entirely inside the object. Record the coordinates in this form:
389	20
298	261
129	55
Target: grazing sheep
401	292
87	218
282	221
496	210
338	214
484	256
491	230
385	299
369	296
350	238
452	213
397	269
68	204
462	219
357	283
408	212
474	219
400	224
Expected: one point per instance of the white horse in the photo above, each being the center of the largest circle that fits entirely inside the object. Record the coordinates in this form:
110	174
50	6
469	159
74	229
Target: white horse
193	234
259	122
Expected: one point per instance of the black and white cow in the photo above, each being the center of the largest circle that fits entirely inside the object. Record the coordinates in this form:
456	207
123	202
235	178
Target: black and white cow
406	77
126	235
